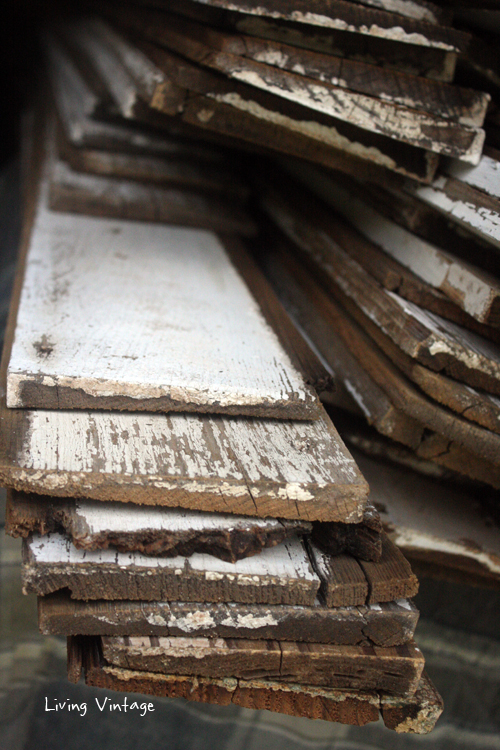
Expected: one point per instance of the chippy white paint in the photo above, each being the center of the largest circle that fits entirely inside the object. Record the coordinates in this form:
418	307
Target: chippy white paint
475	217
285	563
407	8
469	287
396	33
422	515
485	176
144	311
315	130
367	112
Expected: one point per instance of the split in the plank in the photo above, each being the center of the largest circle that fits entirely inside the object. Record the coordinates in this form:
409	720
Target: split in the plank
169	532
396	670
386	625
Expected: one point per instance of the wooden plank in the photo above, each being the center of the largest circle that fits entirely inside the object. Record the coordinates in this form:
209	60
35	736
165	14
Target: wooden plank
339	14
431	340
168	532
76	371
485	176
387	376
251	113
353	384
282	574
347	580
473	290
431	62
418	714
361	540
396	670
421	11
368	112
470	208
434	522
386	625
75	647
345	707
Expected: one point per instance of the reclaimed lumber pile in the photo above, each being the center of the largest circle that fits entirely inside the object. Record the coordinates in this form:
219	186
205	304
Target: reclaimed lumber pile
230	205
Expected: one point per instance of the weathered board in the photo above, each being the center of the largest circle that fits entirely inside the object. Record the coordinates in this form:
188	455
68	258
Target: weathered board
431	62
396	670
361	540
432	522
282	574
465	106
339	14
485	176
346	581
384	373
473	290
93	524
356	707
386	625
251	114
354	387
428	338
421	10
367	111
61	346
461	203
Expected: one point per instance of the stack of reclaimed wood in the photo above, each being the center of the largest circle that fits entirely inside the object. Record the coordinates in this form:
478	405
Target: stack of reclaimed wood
192	520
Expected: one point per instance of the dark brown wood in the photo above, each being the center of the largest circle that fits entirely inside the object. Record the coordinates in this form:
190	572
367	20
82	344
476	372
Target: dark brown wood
396	670
74	644
345	579
417	714
429	339
361	540
281	575
160	531
386	625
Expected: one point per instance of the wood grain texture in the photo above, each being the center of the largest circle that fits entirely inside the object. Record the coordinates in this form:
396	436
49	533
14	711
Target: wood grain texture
354	386
169	532
346	707
466	106
345	579
279	575
251	114
385	625
347	16
367	111
385	374
396	671
431	340
434	522
413	59
485	176
476	292
361	540
52	367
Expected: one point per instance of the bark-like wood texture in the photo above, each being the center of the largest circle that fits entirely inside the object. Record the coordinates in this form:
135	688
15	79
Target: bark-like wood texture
361	540
346	707
282	574
93	525
396	670
385	625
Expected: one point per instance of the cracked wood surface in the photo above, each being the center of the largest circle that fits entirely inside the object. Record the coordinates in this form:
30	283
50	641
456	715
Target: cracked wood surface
386	625
417	714
367	110
430	62
424	336
394	670
282	574
93	524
